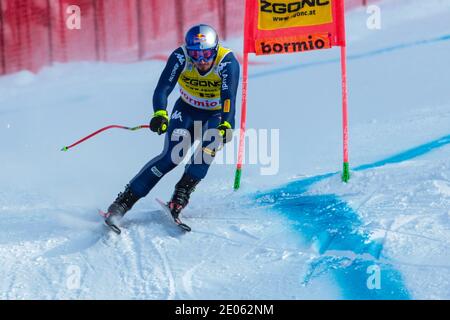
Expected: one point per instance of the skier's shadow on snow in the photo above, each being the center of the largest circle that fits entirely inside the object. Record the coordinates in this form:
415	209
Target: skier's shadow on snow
154	217
81	242
89	238
89	231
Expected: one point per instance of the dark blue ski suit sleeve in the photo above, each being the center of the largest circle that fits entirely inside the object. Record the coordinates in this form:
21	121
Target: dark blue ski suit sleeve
229	72
168	79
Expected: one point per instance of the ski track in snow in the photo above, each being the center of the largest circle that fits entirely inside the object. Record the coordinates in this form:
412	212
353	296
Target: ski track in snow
144	263
159	245
148	271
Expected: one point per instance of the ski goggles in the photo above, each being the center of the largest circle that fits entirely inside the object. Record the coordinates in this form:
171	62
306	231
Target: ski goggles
198	55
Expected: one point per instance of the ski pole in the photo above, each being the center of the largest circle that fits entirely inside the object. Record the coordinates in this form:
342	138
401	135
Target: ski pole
101	130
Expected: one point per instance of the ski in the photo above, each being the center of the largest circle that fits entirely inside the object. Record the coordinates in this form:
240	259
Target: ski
168	213
111	225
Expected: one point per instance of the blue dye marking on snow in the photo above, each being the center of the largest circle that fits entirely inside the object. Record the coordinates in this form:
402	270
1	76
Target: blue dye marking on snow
328	224
408	154
354	56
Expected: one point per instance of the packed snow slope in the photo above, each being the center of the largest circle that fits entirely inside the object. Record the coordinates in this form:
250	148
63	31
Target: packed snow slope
298	234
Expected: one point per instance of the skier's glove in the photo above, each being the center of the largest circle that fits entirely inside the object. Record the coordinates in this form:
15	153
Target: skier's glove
159	122
225	131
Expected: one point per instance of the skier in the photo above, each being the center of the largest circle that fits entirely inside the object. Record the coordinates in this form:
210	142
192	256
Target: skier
208	77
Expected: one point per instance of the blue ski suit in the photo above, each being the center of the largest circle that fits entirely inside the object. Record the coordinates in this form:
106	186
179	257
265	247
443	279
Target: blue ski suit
206	100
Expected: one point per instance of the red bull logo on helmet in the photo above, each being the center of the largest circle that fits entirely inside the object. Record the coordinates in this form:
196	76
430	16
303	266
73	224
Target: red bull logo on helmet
199	38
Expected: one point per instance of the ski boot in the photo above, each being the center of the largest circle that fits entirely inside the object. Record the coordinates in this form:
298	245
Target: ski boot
180	197
123	203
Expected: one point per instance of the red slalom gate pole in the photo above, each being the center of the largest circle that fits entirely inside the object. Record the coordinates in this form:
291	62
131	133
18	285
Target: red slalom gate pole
101	130
237	177
346	168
